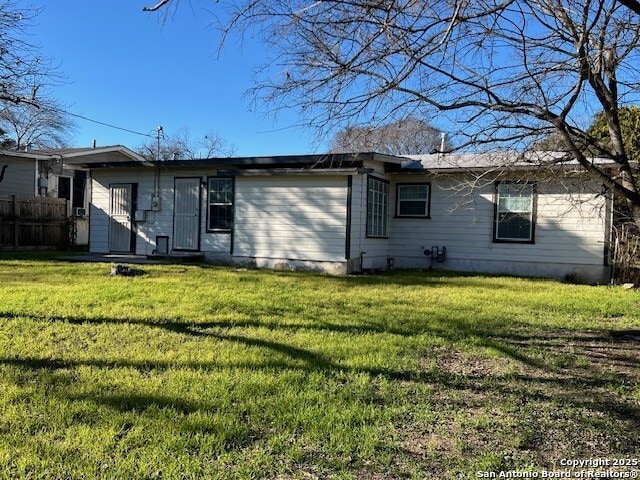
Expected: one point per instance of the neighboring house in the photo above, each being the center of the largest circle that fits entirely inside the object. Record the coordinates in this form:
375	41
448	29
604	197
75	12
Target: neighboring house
20	172
55	173
345	213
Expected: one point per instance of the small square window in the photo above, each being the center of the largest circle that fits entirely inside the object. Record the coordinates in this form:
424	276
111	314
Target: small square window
413	200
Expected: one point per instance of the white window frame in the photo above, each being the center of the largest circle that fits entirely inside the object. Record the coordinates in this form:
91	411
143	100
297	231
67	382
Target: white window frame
377	208
528	212
213	204
426	199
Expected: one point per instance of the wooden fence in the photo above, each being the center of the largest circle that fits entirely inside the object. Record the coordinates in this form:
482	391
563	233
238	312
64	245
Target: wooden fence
33	223
626	254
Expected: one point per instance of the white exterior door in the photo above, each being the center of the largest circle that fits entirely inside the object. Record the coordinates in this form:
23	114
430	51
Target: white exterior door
186	214
121	201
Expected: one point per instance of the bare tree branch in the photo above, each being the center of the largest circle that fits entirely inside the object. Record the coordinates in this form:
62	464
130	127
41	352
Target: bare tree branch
497	74
24	74
404	137
44	125
156	7
181	145
633	5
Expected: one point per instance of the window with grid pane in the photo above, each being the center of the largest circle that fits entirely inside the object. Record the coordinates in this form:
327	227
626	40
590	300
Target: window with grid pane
220	204
514	221
412	200
377	207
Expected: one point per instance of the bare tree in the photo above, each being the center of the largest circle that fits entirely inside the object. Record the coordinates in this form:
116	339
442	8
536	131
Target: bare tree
44	125
24	73
28	115
402	137
502	73
633	5
6	143
182	146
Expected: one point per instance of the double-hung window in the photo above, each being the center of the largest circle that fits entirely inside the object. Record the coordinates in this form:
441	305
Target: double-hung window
412	200
515	212
377	207
220	204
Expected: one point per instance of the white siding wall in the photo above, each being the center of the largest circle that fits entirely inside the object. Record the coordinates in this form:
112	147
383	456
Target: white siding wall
19	177
570	233
374	251
358	218
303	219
157	223
99	204
216	243
291	218
99	215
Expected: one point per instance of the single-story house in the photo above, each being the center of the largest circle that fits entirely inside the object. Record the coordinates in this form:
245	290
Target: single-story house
55	173
347	213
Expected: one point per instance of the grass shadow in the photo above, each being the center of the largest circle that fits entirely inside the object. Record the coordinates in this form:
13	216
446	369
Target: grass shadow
546	366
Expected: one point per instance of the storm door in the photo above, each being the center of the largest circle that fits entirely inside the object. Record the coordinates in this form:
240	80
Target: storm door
121	197
186	214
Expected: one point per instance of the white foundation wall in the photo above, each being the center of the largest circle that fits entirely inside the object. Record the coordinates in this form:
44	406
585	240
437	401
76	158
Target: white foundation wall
570	232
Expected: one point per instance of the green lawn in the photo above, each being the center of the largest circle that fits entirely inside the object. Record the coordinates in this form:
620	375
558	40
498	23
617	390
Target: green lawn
206	372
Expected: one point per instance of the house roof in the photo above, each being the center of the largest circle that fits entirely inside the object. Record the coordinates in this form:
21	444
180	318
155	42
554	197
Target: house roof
63	151
115	154
80	156
331	161
456	162
24	155
118	156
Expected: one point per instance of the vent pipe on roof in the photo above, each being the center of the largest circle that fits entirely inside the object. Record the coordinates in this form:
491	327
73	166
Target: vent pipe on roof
94	143
443	137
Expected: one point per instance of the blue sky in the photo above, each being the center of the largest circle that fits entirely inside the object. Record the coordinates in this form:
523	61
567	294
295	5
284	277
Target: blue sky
128	68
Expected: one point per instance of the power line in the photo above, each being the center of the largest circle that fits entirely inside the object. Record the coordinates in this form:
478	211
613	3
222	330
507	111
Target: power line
107	124
83	117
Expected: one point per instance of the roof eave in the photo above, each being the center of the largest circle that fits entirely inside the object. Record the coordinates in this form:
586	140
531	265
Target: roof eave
27	155
99	150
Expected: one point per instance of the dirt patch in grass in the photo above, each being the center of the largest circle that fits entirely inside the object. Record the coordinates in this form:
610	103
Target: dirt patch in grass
528	400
